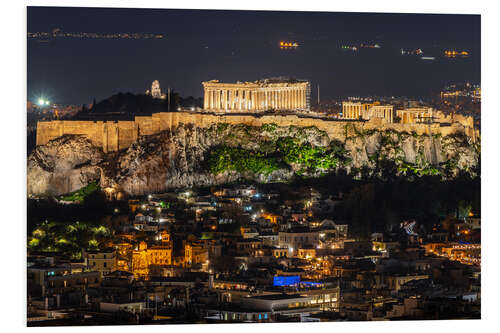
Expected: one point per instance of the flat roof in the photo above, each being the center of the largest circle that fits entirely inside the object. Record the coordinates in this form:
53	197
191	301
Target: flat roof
276	297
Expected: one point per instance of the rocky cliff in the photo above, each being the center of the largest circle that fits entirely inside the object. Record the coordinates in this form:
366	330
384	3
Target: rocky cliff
223	153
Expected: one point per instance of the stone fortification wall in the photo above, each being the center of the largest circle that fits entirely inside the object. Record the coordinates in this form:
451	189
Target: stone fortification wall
117	135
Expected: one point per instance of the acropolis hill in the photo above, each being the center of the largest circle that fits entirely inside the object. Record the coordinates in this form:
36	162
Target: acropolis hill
280	102
261	131
117	135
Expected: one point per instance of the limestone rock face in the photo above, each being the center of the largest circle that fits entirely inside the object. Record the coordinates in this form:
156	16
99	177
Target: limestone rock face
63	165
170	160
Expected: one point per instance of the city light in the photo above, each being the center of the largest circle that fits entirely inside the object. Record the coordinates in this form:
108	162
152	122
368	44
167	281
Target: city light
42	102
276	196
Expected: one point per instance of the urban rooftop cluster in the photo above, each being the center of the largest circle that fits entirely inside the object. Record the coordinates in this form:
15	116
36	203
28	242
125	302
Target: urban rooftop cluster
247	254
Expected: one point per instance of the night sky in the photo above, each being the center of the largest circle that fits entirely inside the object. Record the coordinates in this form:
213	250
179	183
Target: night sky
231	46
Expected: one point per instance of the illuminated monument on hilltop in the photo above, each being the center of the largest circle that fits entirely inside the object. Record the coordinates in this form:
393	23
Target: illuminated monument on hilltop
282	102
155	90
262	95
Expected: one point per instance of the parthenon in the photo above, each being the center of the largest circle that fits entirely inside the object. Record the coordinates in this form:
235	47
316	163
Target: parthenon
262	95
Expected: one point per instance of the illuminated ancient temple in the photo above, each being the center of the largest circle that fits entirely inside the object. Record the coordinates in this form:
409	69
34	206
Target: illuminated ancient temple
257	96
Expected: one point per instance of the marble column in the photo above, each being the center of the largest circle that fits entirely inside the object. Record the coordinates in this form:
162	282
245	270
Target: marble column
296	98
257	100
235	99
303	98
207	99
301	94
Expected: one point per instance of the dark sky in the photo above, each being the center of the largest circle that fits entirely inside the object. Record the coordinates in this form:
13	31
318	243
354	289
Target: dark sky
201	45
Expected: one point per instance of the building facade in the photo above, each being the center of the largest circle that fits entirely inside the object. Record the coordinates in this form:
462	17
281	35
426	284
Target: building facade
367	111
415	115
379	111
262	95
295	240
145	257
104	261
